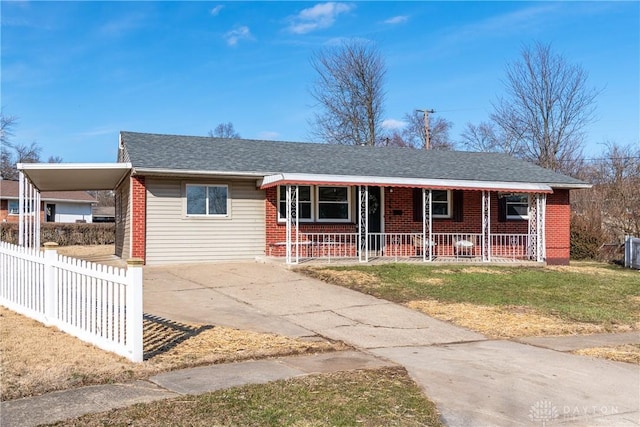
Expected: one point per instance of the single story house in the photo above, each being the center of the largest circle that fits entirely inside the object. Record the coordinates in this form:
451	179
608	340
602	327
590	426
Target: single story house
104	214
183	199
55	206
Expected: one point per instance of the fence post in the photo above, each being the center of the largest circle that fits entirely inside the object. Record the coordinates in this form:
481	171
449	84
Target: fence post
134	309
50	285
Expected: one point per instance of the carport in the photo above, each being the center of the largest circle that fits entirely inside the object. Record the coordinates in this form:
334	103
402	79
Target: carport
37	177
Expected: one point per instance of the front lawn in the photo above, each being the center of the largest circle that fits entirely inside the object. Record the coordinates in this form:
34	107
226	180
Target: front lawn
381	397
587	293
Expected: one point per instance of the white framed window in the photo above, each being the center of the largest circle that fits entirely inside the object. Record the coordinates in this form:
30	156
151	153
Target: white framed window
333	204
318	203
441	203
207	200
305	203
14	207
517	206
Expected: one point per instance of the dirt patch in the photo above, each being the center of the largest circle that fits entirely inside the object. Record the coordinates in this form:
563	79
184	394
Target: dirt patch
505	322
360	279
38	359
586	269
100	254
629	353
481	270
434	281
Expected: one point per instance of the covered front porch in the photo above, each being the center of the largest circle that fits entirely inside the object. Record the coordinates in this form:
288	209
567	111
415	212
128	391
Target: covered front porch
421	229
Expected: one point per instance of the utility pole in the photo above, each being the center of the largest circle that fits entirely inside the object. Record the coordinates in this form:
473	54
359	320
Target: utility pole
427	137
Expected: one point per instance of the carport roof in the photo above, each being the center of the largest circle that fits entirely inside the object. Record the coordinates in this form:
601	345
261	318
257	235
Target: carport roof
75	176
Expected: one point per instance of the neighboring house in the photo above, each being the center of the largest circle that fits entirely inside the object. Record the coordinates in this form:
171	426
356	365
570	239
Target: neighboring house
55	206
182	199
104	213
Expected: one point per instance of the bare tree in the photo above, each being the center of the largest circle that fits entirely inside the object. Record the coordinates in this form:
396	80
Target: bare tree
485	137
349	91
54	159
6	159
546	108
393	138
224	130
414	133
613	203
11	153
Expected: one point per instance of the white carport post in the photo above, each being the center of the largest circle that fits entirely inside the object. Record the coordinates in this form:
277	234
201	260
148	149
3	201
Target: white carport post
486	226
363	223
292	222
537	214
427	221
28	213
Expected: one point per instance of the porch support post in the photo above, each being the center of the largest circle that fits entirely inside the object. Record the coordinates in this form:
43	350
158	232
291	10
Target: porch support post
28	213
363	223
292	256
427	221
541	200
537	205
486	226
21	216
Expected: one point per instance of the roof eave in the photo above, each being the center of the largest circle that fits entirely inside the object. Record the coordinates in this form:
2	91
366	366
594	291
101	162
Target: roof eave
568	186
445	184
197	173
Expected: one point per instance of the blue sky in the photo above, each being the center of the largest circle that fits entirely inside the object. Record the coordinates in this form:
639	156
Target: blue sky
76	73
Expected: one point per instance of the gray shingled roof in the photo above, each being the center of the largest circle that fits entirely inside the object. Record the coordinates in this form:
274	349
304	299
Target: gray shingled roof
193	153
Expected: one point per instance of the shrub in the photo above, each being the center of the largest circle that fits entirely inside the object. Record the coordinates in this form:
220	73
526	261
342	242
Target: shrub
587	237
66	234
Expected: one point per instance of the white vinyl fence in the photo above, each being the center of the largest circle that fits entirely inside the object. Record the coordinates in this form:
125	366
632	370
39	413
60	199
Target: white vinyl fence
98	304
632	252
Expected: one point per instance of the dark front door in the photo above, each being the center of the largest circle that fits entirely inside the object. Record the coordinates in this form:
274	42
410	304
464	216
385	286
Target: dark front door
51	212
375	220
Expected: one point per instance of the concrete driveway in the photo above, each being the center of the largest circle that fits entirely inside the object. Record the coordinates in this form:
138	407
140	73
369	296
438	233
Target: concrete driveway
473	380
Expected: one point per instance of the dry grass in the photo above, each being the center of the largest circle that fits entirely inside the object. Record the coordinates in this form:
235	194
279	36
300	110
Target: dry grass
377	397
505	322
350	278
629	353
101	254
38	359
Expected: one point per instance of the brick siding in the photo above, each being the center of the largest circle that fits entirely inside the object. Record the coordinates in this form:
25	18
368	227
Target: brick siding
138	217
557	236
399	218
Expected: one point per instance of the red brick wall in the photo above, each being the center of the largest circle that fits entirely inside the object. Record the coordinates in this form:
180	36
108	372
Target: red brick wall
557	236
276	232
401	199
5	217
138	217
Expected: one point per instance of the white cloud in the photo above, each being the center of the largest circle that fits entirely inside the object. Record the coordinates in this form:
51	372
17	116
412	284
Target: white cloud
239	33
400	19
322	15
216	10
393	124
267	134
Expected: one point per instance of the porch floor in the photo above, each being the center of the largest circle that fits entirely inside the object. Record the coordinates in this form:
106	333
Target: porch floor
412	260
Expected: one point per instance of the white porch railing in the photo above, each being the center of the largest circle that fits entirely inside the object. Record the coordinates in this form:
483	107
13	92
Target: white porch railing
444	246
328	245
98	304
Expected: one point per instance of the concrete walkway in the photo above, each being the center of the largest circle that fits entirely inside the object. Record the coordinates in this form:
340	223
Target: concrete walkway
474	381
61	405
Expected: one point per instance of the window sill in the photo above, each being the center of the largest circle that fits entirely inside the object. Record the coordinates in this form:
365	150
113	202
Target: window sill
283	222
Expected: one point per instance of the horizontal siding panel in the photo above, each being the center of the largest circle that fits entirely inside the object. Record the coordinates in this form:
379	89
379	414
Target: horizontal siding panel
172	237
